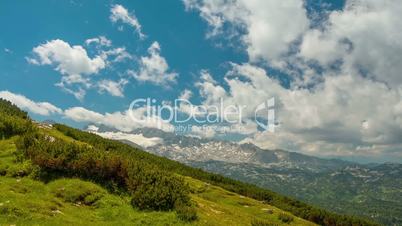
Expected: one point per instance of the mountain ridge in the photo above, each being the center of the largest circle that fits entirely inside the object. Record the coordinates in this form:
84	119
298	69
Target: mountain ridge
300	176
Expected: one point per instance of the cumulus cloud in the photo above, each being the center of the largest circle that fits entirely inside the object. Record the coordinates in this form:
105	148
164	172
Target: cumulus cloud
362	38
72	62
365	35
209	89
186	94
68	60
319	120
154	68
270	26
119	13
112	87
80	114
135	138
345	84
79	94
125	121
77	67
40	108
116	54
101	40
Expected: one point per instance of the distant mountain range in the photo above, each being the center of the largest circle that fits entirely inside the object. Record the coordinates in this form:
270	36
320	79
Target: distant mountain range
370	190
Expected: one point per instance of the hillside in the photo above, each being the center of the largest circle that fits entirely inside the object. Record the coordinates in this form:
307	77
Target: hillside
65	176
369	190
66	201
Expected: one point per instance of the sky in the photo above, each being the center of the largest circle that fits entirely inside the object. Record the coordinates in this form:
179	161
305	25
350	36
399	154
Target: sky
331	67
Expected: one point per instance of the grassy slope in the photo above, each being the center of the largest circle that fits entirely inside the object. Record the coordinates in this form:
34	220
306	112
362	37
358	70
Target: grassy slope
24	201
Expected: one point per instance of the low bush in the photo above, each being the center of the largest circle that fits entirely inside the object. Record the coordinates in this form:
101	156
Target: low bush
159	191
77	191
285	218
186	213
151	188
20	170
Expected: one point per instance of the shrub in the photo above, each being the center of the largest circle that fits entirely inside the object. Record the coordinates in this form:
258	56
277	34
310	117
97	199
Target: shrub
185	212
158	191
77	191
13	121
285	218
22	169
150	187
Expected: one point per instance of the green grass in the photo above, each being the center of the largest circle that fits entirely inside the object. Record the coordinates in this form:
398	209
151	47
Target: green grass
217	206
28	202
72	201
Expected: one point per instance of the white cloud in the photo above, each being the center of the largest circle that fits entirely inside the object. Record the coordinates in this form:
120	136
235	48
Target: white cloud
68	60
93	128
365	35
209	89
77	67
270	26
112	87
80	114
74	79
8	50
358	49
79	94
124	121
318	120
101	40
40	108
119	54
185	106
154	68
119	13
72	62
186	94
135	138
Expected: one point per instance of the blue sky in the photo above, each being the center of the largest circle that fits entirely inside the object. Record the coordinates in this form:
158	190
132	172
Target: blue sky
181	37
300	52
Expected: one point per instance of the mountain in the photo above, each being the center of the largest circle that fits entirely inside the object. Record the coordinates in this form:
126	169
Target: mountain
52	174
73	201
370	190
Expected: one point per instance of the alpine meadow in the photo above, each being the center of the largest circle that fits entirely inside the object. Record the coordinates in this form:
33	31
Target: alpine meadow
201	112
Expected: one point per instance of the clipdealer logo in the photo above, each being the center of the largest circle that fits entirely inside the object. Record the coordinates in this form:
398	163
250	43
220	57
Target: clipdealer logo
204	115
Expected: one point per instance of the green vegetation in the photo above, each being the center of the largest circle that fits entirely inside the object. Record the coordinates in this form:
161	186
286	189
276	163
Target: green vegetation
285	218
72	201
150	187
13	120
118	175
297	208
257	222
76	191
372	192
